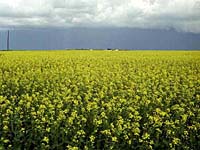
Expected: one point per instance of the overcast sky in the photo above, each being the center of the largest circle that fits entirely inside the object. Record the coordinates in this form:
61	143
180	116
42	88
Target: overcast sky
180	16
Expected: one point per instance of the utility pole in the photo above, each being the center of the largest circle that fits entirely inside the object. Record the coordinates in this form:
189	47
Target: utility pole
8	40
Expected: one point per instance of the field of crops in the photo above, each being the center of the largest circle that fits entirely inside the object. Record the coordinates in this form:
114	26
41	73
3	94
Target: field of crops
100	100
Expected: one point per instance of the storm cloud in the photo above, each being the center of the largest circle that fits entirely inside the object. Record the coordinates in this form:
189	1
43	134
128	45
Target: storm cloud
181	15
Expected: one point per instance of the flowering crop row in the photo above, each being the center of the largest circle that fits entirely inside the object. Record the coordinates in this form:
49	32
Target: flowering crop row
100	100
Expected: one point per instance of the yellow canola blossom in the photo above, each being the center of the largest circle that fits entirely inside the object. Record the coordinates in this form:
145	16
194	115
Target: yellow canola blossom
99	100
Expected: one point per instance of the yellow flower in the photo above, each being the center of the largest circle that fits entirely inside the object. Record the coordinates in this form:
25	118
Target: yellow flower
114	139
5	127
92	138
46	139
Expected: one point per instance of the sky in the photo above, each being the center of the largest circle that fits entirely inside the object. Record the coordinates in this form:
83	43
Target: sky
126	24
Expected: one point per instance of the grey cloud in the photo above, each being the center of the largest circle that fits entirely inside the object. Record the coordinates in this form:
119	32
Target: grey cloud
182	15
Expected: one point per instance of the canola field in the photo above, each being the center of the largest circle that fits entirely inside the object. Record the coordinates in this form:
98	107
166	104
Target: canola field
87	100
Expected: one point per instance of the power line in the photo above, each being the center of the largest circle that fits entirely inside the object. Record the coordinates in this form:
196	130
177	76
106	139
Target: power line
8	40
